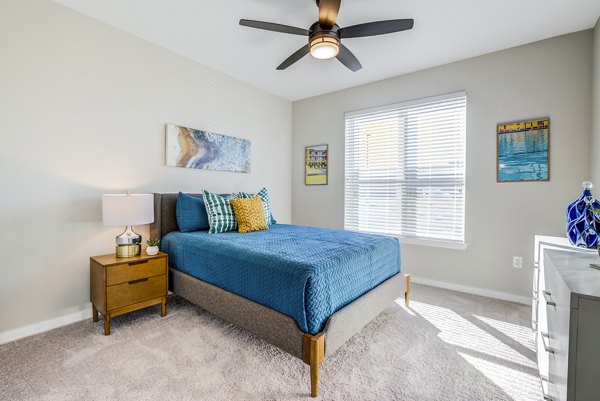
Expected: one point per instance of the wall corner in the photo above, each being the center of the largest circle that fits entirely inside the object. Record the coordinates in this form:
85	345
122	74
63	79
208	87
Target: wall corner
595	137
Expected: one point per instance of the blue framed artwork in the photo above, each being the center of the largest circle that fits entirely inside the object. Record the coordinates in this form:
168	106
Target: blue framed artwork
523	150
192	148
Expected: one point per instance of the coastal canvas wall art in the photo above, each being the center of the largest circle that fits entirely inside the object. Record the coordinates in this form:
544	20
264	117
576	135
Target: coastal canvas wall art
316	164
523	151
192	148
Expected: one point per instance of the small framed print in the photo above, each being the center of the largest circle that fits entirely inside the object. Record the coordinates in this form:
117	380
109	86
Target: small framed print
316	164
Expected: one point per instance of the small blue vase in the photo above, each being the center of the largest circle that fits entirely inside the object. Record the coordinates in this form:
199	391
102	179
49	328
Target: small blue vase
583	224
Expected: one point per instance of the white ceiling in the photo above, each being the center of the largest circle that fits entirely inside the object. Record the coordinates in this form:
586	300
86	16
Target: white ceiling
445	31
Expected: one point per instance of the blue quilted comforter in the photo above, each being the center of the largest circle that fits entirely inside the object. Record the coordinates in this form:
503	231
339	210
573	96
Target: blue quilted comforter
307	273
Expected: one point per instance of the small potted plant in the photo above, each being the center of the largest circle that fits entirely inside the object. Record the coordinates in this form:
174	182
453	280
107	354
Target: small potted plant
152	246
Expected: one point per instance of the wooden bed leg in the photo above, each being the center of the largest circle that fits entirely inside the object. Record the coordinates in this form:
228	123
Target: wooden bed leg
313	354
407	292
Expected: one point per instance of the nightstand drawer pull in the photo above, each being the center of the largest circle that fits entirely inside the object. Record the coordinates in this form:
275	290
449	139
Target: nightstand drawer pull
547	346
134	270
548	298
138	281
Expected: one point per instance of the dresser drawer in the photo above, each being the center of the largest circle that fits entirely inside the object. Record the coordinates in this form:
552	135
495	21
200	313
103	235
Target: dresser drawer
136	270
540	313
558	308
135	291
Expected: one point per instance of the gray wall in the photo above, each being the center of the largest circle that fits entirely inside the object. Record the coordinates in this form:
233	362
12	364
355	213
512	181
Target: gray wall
82	112
547	78
595	148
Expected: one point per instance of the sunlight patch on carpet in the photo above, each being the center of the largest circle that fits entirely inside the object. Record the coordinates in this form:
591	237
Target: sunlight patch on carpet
521	334
517	385
456	330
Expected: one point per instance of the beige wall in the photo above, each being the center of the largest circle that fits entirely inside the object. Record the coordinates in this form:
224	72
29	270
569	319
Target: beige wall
82	112
595	148
548	78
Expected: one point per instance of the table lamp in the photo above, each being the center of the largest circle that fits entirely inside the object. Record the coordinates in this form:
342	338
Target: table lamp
128	210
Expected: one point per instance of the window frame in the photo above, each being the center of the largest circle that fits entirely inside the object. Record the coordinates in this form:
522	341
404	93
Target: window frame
413	239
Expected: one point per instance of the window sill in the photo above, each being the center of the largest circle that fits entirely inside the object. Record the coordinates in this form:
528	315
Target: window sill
461	246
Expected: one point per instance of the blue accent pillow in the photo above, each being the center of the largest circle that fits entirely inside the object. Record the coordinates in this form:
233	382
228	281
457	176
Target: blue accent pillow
191	213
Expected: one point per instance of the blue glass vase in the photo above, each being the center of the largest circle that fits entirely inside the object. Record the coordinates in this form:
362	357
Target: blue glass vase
583	224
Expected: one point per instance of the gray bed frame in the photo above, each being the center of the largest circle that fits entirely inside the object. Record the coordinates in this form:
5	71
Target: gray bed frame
274	327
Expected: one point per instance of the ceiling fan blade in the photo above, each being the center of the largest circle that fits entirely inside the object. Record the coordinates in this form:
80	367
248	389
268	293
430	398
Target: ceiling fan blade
303	51
376	28
348	59
269	26
328	11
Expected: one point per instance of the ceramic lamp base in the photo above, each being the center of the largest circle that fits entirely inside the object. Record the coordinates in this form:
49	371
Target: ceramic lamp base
127	251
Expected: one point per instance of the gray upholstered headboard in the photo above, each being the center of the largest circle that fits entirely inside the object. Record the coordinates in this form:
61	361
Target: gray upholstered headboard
165	217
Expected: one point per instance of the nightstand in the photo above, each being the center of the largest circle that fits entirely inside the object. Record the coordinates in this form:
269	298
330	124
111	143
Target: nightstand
122	285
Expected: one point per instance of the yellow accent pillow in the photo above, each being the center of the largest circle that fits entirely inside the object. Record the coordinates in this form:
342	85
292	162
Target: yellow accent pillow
250	214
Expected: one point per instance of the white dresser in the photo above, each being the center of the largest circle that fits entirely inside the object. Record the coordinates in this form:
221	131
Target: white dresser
566	320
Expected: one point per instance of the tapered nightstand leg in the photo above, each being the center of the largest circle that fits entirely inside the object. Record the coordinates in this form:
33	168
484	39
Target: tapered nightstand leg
94	314
163	307
107	325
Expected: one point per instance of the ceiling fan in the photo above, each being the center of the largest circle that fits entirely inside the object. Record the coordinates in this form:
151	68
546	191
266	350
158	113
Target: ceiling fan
325	36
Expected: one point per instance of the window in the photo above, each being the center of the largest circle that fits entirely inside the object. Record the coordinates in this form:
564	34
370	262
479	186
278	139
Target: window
405	169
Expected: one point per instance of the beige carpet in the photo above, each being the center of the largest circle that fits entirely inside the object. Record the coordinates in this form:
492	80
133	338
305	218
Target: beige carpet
449	346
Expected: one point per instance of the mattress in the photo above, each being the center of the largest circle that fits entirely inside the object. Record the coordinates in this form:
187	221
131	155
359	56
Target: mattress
307	273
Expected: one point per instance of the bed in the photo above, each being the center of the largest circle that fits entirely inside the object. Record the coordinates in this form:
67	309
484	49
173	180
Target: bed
305	290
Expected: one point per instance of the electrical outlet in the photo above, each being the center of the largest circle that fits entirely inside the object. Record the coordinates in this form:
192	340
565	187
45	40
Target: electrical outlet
518	262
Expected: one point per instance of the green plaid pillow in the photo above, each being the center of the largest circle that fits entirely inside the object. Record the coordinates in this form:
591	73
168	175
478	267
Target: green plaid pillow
263	194
220	213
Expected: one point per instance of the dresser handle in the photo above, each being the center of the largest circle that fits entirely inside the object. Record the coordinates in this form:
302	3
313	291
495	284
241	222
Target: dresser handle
138	281
548	298
547	397
139	262
547	347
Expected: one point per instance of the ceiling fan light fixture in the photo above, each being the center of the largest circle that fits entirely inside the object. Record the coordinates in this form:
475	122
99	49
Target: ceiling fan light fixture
325	35
324	47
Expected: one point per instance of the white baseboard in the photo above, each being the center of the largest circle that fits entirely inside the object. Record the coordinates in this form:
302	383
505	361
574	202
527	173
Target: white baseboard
472	290
68	316
82	312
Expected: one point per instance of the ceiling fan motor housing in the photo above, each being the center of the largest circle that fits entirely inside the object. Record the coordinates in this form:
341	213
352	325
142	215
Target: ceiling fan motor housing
318	29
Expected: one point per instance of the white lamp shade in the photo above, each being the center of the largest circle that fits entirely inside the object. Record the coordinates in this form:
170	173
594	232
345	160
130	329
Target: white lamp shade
127	209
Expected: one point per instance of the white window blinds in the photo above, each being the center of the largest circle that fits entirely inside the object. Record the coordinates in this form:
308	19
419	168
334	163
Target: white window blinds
405	169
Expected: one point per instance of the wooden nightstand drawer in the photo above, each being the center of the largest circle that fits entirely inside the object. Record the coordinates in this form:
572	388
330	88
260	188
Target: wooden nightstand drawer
135	270
136	291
